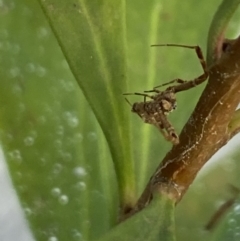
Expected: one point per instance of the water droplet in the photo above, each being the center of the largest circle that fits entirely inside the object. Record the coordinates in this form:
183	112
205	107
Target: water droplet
232	222
78	137
41	50
15	156
9	137
67	156
28	211
81	186
92	136
67	85
21	107
43	161
58	144
28	141
19	175
76	234
237	235
79	171
237	208
15	48
73	122
56	192
63	199
30	68
40	71
14	72
57	168
60	130
52	238
16	89
42	32
42	119
71	119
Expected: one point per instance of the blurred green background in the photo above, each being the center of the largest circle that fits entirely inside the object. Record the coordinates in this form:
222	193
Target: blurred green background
56	152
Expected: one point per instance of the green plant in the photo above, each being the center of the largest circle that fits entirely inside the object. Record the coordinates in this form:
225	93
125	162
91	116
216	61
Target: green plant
58	157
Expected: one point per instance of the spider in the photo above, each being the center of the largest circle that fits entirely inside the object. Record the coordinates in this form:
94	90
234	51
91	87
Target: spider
155	111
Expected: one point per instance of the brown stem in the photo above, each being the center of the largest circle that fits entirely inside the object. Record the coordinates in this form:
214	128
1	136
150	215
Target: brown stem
208	129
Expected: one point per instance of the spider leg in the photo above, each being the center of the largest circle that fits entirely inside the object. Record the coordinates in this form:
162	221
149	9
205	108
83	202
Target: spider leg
128	102
179	81
185	85
153	90
162	124
141	94
189	84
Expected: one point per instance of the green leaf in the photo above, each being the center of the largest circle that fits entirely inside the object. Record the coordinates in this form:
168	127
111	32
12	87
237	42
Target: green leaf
92	37
156	222
227	228
54	148
218	27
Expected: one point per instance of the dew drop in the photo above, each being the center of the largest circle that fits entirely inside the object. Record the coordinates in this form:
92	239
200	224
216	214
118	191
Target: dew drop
28	141
78	137
16	89
237	209
76	234
71	119
237	235
30	68
67	85
79	171
19	175
58	144
15	156
81	186
42	33
92	136
52	238
42	119
28	211
60	130
67	156
14	72
40	71
57	168
56	192
15	48
43	161
63	199
232	222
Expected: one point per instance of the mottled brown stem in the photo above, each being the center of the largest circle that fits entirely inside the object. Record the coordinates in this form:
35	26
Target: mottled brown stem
213	123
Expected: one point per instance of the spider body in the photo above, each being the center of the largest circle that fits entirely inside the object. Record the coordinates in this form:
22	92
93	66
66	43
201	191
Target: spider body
164	102
155	112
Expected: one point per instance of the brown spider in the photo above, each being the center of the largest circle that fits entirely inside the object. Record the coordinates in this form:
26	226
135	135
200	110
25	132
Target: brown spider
155	111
